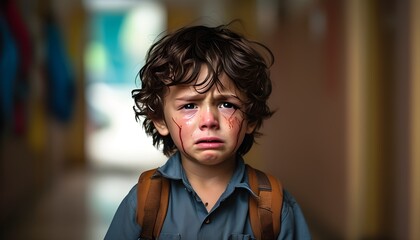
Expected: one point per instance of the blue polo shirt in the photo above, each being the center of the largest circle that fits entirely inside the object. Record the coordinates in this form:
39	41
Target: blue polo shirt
187	217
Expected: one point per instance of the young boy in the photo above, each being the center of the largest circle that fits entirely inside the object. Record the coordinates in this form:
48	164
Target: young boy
203	98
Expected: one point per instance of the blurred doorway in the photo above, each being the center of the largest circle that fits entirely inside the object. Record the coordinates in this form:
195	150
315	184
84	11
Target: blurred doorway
119	34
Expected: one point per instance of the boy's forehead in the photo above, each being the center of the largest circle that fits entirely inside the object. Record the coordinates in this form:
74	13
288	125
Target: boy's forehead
205	84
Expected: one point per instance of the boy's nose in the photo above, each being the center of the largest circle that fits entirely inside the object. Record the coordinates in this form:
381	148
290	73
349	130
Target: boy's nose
209	119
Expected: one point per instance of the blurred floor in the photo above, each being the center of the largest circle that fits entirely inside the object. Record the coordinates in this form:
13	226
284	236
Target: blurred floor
79	205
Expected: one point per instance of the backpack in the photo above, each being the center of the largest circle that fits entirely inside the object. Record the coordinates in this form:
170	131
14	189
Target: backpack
264	211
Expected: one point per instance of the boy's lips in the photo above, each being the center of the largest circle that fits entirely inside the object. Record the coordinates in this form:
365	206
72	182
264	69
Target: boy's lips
209	142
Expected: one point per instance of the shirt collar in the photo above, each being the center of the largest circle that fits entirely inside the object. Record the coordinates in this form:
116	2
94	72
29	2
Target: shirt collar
172	169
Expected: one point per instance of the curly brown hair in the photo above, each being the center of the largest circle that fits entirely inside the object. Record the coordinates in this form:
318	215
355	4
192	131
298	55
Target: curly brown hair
178	57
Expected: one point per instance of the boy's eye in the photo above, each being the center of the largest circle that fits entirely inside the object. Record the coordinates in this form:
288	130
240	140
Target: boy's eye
228	105
189	106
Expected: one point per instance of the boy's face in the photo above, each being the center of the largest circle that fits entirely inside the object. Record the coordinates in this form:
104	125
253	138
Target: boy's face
209	127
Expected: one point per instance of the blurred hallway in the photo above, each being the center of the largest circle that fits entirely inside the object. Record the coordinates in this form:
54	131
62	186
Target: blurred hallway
79	205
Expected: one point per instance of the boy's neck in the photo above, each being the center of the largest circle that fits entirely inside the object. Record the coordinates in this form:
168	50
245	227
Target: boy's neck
209	173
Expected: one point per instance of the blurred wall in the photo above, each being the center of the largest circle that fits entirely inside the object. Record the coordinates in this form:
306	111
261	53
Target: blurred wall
304	142
342	138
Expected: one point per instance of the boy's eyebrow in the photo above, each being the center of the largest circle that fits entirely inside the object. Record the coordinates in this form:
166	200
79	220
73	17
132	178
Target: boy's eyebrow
188	96
198	96
227	95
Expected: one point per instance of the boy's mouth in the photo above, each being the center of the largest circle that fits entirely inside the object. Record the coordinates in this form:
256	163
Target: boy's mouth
209	140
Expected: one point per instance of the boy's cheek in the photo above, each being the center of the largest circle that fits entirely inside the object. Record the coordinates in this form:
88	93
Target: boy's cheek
228	112
188	115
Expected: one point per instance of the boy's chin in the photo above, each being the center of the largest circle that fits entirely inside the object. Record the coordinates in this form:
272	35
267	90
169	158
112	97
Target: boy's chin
209	158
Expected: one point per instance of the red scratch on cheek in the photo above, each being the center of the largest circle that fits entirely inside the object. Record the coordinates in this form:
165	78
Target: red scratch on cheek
239	132
179	133
180	136
231	120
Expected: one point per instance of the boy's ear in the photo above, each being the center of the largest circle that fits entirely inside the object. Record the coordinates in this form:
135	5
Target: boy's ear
161	127
251	127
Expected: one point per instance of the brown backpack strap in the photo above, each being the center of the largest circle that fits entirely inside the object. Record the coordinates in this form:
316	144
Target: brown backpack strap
265	212
152	203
